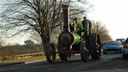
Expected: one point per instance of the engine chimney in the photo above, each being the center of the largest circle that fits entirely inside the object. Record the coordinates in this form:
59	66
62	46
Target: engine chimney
65	17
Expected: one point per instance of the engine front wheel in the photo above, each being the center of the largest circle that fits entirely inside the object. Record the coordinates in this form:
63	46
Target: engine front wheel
84	51
50	52
63	56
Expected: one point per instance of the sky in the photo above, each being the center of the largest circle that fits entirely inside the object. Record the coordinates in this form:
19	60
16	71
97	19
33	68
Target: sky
112	13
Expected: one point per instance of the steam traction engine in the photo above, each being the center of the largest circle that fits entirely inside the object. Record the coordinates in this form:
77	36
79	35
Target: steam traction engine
72	43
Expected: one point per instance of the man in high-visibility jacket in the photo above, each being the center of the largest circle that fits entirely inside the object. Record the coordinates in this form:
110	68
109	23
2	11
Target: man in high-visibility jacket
78	26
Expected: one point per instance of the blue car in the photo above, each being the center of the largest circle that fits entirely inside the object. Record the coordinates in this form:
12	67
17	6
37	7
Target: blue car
112	47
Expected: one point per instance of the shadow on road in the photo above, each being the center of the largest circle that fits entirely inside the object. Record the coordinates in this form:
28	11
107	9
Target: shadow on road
114	65
58	62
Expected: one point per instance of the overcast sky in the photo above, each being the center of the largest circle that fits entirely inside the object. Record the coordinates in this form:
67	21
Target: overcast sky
112	13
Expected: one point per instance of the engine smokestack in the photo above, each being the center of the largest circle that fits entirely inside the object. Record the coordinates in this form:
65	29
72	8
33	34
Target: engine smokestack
66	17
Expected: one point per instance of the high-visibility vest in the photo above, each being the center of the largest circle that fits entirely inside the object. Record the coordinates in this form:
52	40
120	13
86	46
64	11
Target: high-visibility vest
78	24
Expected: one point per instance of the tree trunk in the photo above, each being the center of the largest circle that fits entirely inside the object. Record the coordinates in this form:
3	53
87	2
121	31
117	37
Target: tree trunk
44	42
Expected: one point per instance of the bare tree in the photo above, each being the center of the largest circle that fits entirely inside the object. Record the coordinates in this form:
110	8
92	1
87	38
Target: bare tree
1	46
0	50
29	44
27	15
8	52
99	28
35	37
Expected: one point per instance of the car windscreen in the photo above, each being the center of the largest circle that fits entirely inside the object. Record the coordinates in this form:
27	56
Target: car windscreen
112	43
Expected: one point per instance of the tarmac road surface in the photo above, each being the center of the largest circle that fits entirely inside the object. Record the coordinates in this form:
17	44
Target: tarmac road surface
107	63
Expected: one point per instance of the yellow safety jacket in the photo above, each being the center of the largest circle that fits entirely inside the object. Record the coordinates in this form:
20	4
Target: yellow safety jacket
78	24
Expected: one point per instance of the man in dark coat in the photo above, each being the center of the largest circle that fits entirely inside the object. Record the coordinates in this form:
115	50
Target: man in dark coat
86	26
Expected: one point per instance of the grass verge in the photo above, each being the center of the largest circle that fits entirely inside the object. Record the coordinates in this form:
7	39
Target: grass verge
22	59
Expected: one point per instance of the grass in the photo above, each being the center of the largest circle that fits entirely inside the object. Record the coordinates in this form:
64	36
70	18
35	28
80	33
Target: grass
22	59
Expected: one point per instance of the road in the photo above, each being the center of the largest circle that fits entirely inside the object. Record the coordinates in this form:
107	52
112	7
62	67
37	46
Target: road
107	63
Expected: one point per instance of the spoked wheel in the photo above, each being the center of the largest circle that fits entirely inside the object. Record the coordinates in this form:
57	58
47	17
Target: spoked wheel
50	53
84	51
95	46
63	56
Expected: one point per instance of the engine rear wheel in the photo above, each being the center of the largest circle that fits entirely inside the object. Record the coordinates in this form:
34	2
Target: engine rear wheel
50	53
95	46
84	51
